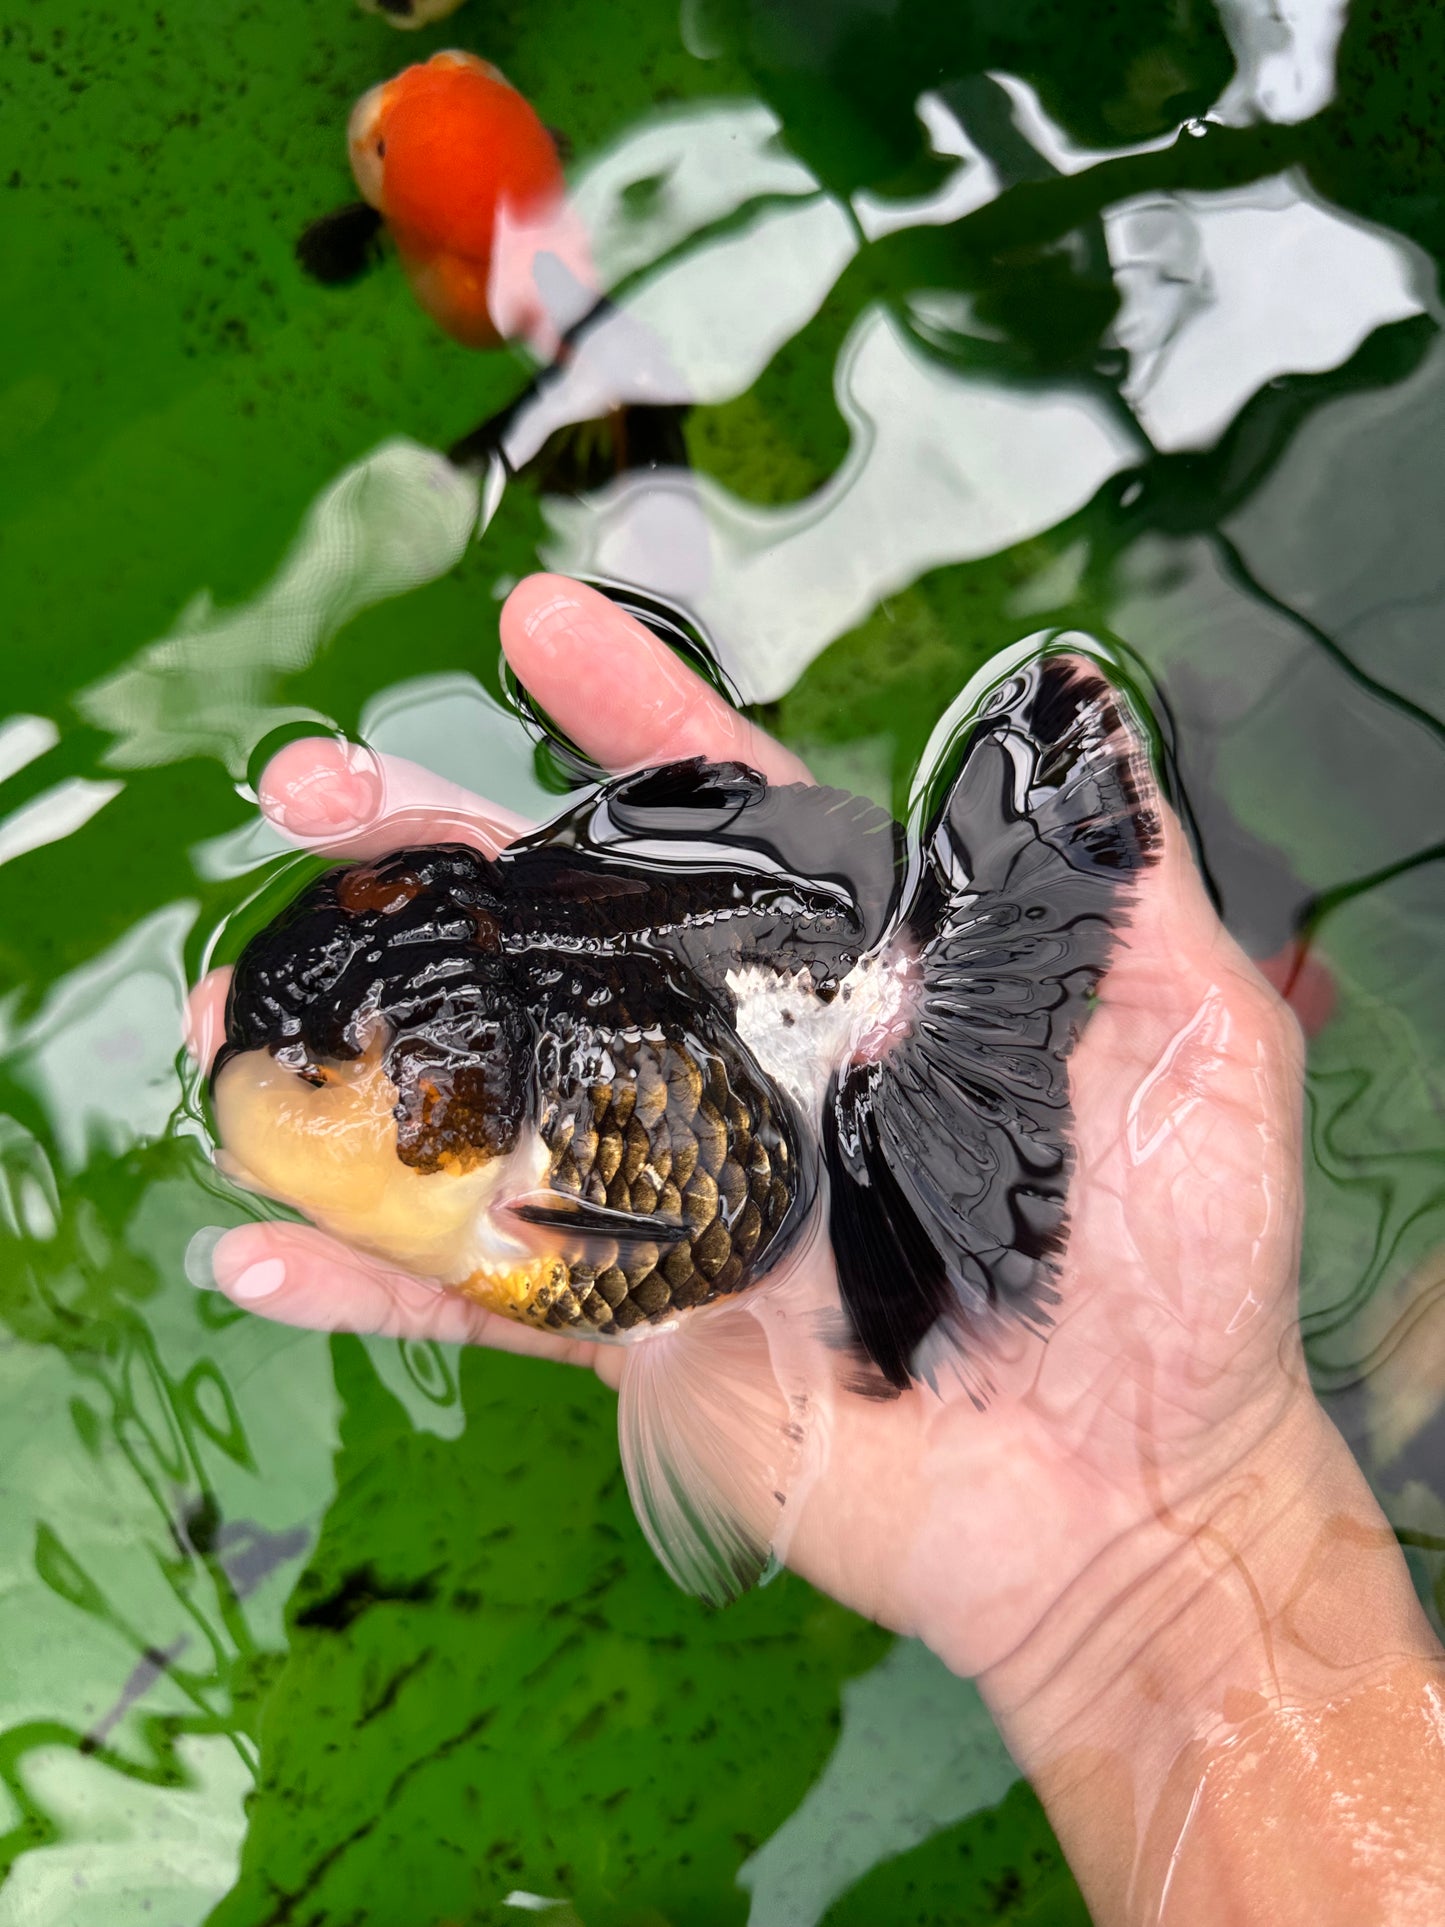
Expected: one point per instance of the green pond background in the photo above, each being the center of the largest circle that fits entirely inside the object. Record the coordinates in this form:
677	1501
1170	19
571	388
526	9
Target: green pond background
995	317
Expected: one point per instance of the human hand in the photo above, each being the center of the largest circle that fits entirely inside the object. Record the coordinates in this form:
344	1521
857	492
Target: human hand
1172	1367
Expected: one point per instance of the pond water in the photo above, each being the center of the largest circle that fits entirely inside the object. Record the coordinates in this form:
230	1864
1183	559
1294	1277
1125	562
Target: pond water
991	319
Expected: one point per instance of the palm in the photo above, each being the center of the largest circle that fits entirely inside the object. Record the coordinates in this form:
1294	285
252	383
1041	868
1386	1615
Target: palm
1171	1345
1171	1349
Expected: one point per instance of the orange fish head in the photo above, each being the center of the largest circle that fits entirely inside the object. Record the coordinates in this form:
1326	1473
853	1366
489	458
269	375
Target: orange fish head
471	188
438	148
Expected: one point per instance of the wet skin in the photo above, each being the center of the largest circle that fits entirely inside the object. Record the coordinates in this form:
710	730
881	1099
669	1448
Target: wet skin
1135	1542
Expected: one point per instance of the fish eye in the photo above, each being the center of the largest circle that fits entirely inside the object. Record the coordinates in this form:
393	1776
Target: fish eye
381	150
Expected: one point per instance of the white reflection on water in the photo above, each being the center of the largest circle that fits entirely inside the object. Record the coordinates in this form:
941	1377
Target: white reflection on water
1222	292
678	173
398	518
704	327
727	308
182	1842
1284	53
918	1751
1325	530
1354	790
944	466
1048	139
971	185
452	727
100	1054
22	739
54	814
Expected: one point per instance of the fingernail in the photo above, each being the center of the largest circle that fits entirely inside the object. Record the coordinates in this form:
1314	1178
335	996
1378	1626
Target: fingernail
199	1262
307	793
258	1281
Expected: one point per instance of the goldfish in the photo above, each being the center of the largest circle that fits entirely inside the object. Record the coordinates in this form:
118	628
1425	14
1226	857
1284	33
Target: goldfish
453	162
614	1082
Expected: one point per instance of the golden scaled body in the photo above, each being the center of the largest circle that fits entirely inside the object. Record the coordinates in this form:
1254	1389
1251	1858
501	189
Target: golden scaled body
671	1140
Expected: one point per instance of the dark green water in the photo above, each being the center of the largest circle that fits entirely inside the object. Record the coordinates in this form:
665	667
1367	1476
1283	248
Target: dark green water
1136	327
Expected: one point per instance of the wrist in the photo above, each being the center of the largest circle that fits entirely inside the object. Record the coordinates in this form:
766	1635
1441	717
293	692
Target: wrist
1207	1708
1274	1582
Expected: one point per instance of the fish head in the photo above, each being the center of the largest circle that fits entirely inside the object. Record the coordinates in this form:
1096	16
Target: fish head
377	1073
441	145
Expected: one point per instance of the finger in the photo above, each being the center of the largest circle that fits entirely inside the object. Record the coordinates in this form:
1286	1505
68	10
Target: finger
350	801
297	1276
618	691
205	1018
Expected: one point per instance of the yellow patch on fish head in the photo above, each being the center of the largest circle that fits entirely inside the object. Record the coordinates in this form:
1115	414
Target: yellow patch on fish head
329	1150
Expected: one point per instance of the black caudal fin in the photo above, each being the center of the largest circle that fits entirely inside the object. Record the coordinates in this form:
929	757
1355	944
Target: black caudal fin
581	456
609	404
340	246
949	1158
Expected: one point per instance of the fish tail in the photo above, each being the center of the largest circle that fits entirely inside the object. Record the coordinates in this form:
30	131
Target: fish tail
949	1155
719	1421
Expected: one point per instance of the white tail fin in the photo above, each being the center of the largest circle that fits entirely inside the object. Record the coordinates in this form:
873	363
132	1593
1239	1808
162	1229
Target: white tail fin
718	1433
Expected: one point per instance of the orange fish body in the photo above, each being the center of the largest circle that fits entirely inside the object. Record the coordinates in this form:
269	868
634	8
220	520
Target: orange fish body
471	189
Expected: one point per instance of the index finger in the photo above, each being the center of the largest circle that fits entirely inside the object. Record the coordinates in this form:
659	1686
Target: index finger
618	690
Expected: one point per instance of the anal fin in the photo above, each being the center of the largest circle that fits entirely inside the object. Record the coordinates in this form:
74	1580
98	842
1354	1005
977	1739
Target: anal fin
711	1446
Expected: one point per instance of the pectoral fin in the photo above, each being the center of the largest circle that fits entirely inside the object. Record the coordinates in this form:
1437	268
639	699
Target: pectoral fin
340	246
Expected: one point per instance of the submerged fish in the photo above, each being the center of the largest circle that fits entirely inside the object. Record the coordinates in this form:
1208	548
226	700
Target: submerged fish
610	1082
456	166
468	183
410	14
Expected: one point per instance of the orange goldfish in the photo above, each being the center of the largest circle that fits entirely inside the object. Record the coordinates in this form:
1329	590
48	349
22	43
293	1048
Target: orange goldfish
468	183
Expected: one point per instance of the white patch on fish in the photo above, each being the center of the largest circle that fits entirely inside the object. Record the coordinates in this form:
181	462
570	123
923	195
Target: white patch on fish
799	1040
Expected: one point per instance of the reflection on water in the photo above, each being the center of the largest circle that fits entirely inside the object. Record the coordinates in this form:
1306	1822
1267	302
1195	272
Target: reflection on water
393	521
943	467
917	1752
1221	294
973	336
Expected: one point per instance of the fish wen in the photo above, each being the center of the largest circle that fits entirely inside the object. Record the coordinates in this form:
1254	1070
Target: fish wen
627	1080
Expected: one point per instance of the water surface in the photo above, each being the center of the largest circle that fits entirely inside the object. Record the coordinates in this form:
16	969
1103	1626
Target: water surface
992	320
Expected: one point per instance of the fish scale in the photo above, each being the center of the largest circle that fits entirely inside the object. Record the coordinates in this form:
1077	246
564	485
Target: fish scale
677	1138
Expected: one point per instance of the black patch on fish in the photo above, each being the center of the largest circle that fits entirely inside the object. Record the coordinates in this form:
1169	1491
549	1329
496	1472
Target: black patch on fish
341	246
414	942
